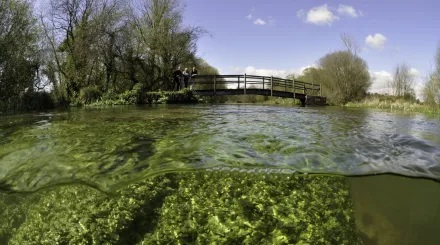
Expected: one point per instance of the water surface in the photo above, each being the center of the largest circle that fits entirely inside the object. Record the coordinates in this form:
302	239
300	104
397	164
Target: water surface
230	174
108	148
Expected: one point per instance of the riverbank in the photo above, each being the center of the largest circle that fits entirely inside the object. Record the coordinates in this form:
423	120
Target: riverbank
44	101
392	103
187	96
183	96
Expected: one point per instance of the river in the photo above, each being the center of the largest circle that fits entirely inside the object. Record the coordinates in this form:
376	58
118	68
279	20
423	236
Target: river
383	167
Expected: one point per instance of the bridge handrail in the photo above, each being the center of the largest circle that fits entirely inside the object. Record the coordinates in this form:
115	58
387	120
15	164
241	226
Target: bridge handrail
243	80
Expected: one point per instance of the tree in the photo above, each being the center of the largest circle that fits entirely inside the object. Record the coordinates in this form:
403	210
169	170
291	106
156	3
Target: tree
431	91
82	36
164	41
350	43
403	80
19	53
344	76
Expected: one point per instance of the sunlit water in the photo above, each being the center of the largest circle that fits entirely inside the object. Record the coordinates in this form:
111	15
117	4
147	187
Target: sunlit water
110	149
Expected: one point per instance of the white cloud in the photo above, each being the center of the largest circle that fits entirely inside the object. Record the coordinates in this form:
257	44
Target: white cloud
349	11
259	22
414	72
381	82
377	41
418	83
320	15
418	88
250	70
249	16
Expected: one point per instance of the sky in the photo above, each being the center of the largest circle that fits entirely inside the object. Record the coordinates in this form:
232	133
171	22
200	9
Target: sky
280	37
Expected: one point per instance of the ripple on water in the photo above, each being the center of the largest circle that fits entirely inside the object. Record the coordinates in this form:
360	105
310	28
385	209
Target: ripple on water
110	147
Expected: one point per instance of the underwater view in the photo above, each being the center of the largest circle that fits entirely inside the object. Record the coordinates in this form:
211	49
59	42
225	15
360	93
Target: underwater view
219	174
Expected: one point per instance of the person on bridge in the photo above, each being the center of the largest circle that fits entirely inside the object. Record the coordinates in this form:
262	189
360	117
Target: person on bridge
177	76
194	73
185	77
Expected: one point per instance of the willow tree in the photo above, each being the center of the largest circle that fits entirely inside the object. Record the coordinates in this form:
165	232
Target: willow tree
19	52
345	76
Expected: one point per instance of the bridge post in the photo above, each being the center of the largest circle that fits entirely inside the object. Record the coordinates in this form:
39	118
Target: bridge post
238	82
313	88
320	89
215	79
245	83
293	83
271	86
263	83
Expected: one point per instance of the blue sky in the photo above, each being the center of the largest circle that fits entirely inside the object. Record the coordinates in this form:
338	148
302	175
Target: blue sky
278	37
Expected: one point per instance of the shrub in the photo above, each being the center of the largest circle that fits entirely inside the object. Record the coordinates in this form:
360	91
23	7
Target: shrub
89	94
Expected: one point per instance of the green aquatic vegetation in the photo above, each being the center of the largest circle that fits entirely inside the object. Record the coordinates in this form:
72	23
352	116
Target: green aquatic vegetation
191	208
236	208
77	214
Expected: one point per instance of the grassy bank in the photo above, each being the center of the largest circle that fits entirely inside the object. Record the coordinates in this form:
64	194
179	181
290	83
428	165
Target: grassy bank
394	103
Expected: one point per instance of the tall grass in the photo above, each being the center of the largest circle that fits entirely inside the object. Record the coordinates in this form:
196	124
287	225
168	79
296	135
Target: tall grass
394	103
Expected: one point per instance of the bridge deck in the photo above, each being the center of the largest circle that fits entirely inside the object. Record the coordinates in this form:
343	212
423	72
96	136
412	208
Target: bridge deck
220	85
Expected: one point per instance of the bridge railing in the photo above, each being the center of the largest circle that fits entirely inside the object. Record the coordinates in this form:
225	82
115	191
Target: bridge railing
221	82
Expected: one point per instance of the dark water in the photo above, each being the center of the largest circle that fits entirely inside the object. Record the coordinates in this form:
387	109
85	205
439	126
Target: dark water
114	148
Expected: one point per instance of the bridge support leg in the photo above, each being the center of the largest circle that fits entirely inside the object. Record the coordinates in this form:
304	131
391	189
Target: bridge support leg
271	86
245	83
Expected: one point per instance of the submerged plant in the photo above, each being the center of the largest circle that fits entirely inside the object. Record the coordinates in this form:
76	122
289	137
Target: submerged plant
192	208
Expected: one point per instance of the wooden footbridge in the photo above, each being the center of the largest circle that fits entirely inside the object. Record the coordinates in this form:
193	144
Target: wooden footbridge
217	85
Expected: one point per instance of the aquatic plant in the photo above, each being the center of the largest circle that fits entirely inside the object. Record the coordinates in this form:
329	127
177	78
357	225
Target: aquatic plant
191	208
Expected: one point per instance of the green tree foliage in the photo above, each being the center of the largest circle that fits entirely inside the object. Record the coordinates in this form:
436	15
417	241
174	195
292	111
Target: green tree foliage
19	52
345	76
431	91
164	41
82	35
112	46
